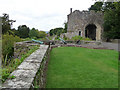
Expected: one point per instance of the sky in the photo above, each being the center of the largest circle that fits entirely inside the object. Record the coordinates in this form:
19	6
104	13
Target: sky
41	14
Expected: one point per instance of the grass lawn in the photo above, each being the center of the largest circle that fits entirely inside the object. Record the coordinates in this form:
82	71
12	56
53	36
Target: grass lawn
74	67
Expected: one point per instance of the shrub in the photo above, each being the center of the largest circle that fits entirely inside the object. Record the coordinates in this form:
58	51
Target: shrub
80	38
8	45
77	38
41	34
33	33
87	39
13	64
26	39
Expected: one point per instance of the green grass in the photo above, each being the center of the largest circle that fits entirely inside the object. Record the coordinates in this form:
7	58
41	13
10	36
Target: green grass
74	67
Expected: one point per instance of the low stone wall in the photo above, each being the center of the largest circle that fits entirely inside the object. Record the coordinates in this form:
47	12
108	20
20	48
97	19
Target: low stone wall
27	70
114	40
40	78
74	42
90	46
22	48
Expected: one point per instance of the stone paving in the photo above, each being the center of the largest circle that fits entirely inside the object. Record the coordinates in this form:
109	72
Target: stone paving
111	45
26	71
102	45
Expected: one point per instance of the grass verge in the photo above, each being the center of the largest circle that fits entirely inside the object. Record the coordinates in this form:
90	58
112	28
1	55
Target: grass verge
74	67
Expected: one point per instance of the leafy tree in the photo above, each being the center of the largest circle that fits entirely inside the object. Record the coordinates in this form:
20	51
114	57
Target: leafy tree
108	6
23	31
51	32
65	27
15	32
96	7
56	31
8	45
33	33
112	22
41	34
6	23
111	12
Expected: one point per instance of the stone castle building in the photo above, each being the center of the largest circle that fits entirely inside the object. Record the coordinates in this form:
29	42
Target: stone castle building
85	24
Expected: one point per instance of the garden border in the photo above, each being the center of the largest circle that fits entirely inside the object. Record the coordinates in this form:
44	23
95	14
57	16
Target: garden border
26	71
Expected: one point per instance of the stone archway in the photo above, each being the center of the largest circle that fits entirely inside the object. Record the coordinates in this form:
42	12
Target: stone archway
90	31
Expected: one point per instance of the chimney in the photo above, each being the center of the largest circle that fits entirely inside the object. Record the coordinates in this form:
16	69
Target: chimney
70	10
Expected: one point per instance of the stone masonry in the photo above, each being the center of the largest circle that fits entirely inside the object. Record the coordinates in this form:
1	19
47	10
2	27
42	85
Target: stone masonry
26	71
83	22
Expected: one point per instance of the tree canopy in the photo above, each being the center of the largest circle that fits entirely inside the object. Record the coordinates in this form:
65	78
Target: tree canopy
112	22
41	34
6	23
56	31
33	33
23	31
96	7
111	12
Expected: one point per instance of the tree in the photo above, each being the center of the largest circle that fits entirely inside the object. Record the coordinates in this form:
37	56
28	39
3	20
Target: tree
41	34
8	45
23	31
6	23
51	32
56	31
111	12
108	6
112	22
33	33
97	6
65	27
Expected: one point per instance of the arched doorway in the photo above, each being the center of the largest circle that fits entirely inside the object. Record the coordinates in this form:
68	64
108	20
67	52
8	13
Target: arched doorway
90	31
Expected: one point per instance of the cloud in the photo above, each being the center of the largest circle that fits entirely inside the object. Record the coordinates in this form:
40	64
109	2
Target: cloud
41	14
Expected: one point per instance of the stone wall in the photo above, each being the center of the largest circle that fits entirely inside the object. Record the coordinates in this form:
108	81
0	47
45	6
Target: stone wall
22	48
79	20
26	71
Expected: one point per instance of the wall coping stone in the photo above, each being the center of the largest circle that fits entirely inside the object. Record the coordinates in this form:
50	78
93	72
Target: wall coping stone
26	71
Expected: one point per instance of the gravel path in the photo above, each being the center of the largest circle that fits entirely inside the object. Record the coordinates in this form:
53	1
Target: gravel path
106	45
111	45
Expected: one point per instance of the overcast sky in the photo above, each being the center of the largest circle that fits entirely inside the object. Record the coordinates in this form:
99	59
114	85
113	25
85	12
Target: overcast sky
41	14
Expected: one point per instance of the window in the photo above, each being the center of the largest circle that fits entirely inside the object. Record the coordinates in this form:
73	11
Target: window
79	33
